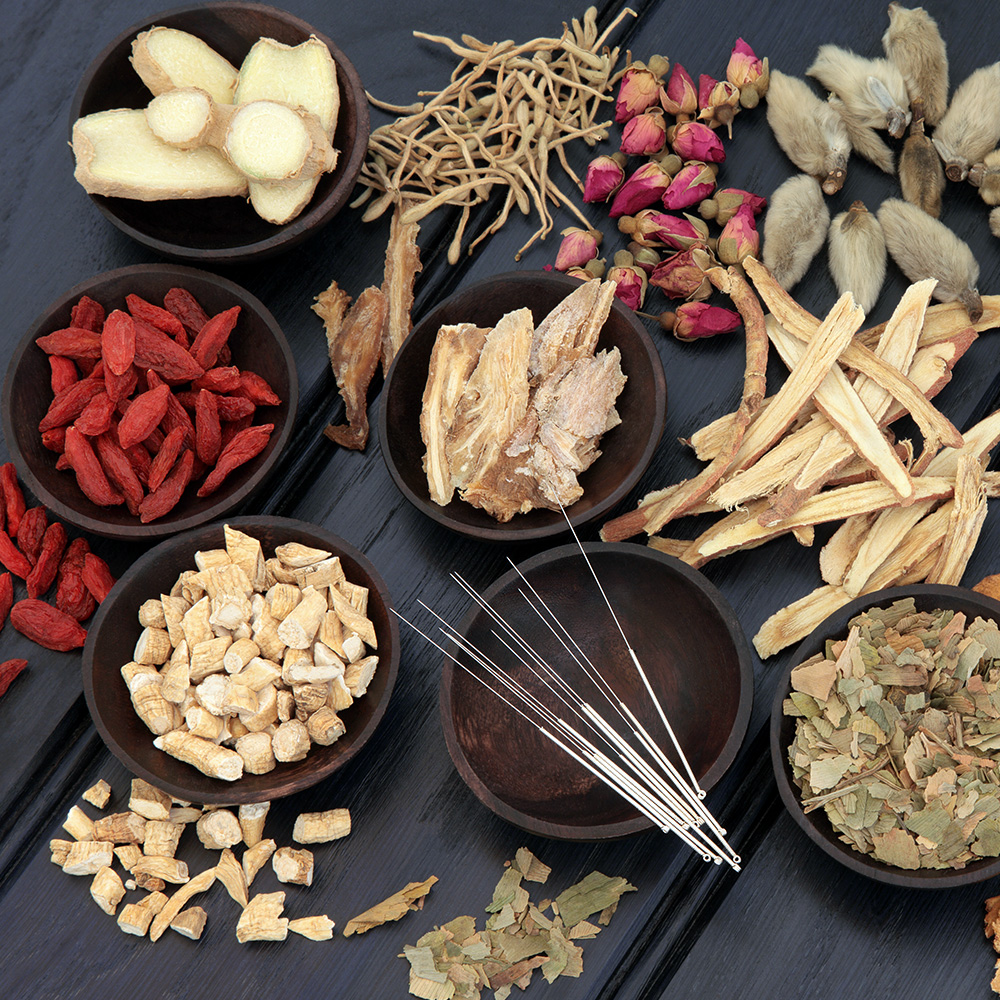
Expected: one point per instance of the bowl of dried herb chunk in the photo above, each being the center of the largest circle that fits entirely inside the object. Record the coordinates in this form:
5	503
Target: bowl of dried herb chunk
885	736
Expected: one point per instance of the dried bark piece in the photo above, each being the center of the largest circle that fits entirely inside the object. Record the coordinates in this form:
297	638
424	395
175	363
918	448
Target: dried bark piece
964	525
396	906
402	264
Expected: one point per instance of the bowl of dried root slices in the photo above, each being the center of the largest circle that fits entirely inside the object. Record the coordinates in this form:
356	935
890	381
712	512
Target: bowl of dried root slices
242	662
885	738
518	396
223	132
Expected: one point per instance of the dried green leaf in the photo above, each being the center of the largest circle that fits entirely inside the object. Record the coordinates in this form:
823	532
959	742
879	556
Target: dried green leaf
590	895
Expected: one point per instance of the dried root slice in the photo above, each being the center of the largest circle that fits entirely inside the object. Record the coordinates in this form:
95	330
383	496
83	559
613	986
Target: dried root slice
317	928
402	264
211	759
176	903
291	865
78	824
255	857
190	922
98	794
964	525
231	874
261	920
148	801
166	58
252	816
321	827
107	890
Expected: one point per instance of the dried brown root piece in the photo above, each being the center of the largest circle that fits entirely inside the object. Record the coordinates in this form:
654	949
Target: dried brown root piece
262	919
402	264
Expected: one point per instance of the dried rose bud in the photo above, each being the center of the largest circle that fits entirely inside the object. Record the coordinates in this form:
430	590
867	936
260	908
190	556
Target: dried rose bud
705	85
645	134
645	257
640	88
680	277
720	106
679	97
652	228
748	73
578	246
691	184
604	177
698	319
642	189
727	202
630	281
695	141
739	237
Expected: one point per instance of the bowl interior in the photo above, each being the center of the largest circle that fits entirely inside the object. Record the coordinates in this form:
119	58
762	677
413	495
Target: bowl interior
224	229
627	449
116	628
927	597
257	345
685	636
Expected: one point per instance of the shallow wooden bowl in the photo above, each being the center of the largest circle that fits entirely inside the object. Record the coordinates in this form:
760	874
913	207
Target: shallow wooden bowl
927	597
257	344
627	449
115	629
685	635
224	230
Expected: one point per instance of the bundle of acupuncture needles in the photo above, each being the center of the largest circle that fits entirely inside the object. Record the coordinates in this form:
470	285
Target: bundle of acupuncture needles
634	766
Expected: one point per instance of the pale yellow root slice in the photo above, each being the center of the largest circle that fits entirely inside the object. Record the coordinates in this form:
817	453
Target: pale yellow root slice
943	321
402	264
117	155
166	58
183	117
708	441
281	202
836	556
795	621
964	525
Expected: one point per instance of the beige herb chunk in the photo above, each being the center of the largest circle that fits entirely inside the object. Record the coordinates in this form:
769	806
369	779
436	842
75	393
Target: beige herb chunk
252	816
278	572
282	599
359	675
321	827
239	654
219	829
230	873
153	646
169	869
207	558
246	552
340	695
290	741
261	920
210	759
87	857
298	629
98	795
135	919
201	722
258	673
255	857
151	614
184	814
354	647
286	705
291	865
162	838
128	855
318	928
352	618
208	657
121	828
107	890
195	623
325	726
326	573
152	883
295	555
266	712
199	883
308	698
78	824
174	609
190	922
59	850
158	714
148	801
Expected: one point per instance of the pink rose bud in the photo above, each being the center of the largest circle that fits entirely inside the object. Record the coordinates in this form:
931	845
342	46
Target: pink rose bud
681	278
639	88
580	272
578	246
694	141
698	319
725	203
694	182
739	237
645	134
645	257
642	189
630	282
748	74
705	85
651	228
679	97
604	177
720	106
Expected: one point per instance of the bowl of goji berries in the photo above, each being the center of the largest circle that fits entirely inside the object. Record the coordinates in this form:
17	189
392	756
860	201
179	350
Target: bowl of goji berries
149	400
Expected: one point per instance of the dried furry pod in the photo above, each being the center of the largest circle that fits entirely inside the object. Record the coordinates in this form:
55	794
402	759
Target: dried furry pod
865	141
794	228
915	46
926	248
970	127
921	175
811	133
873	90
857	255
986	177
995	221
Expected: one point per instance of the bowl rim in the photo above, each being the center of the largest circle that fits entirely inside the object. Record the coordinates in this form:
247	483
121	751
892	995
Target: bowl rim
313	217
230	792
638	823
509	531
832	627
156	529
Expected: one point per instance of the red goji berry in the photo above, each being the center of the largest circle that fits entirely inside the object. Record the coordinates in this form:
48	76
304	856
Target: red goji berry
221	380
31	531
72	597
46	625
256	389
72	342
97	576
88	314
118	468
44	572
9	669
212	336
176	416
166	457
163	500
154	349
6	596
55	439
234	407
13	498
118	342
96	416
208	430
233	427
142	416
155	315
120	387
90	476
244	446
186	308
12	557
141	462
64	373
68	404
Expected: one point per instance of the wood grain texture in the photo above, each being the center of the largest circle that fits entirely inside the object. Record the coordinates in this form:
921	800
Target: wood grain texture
792	924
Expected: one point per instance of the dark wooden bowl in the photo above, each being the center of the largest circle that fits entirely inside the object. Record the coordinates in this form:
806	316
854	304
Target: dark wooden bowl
257	344
224	230
627	449
927	597
115	629
684	633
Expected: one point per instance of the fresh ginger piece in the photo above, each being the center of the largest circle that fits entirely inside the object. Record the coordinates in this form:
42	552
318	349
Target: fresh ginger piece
118	155
166	58
182	117
281	202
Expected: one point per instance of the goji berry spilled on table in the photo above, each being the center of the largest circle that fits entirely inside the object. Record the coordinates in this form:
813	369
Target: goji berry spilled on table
9	669
47	625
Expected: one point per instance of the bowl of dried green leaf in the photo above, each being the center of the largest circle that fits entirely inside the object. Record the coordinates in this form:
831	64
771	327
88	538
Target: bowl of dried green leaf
885	736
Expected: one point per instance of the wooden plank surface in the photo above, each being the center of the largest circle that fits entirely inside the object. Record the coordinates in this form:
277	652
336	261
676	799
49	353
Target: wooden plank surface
792	924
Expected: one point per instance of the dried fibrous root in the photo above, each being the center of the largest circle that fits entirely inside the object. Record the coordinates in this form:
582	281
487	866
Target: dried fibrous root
857	255
964	525
316	928
176	903
190	922
107	889
970	127
261	919
321	827
914	45
809	130
255	857
794	228
98	794
291	865
231	874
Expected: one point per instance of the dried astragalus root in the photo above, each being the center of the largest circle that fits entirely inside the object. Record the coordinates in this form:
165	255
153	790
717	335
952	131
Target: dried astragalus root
262	919
970	127
809	130
794	228
914	45
921	175
857	255
926	248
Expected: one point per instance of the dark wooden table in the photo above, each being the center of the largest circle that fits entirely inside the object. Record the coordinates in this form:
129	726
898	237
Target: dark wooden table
793	924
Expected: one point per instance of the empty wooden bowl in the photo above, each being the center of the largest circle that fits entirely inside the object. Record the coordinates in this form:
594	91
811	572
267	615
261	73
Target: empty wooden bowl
257	345
224	230
816	824
687	639
115	629
626	449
